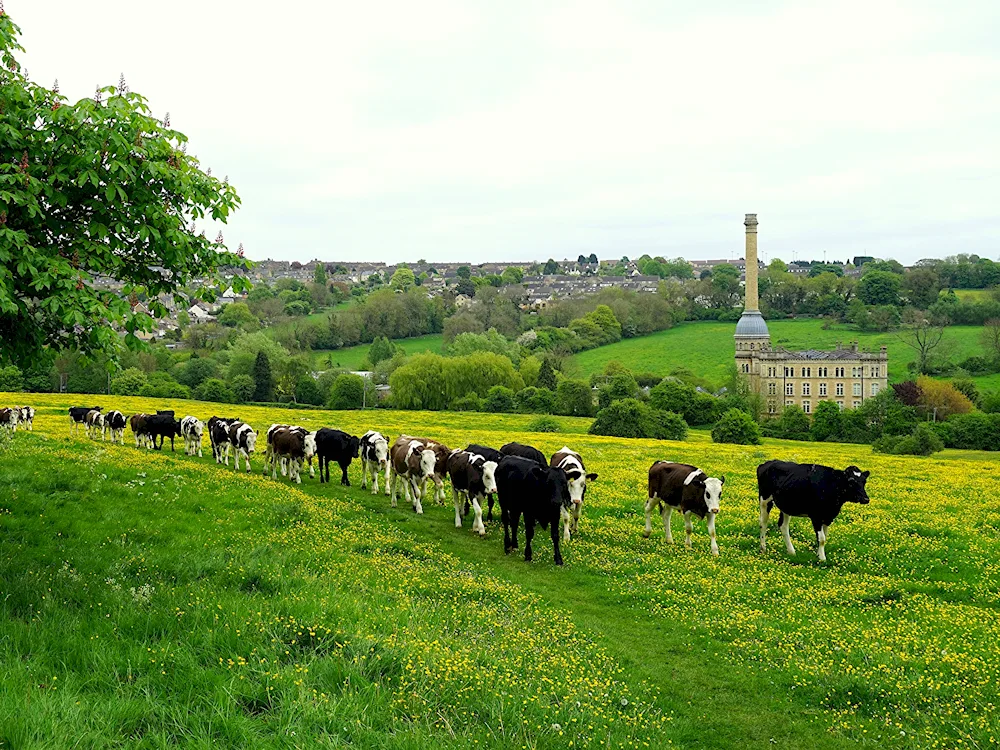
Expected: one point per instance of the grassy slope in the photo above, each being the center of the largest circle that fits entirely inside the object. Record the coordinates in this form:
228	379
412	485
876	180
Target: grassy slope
294	616
706	348
352	357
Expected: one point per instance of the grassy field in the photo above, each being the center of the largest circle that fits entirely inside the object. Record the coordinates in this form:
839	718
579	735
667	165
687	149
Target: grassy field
974	295
352	357
153	599
706	348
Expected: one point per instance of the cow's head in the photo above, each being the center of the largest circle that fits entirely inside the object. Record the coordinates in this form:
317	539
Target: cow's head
856	479
354	446
713	493
197	428
381	446
427	460
309	445
556	484
489	476
250	437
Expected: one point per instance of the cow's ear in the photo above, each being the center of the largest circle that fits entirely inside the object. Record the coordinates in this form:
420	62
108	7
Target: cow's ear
592	477
865	474
722	479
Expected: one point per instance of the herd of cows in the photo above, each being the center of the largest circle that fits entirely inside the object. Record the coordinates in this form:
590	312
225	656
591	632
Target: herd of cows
548	492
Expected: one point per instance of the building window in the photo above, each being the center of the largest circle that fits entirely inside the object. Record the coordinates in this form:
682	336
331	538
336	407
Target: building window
789	402
805	389
772	372
875	371
772	389
841	405
857	389
789	372
822	389
751	346
746	367
856	404
821	372
772	407
789	389
806	407
874	389
807	372
840	389
838	372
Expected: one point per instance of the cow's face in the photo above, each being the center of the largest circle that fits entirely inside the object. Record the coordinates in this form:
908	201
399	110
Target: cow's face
381	446
309	445
251	440
856	480
197	428
489	476
354	446
713	493
558	485
428	459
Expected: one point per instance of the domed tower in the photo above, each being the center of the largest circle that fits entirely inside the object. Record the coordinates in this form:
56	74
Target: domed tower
751	334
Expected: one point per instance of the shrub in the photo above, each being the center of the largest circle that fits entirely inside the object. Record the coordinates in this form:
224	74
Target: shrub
468	402
922	442
307	391
347	392
942	398
793	424
668	425
535	401
128	382
243	388
736	426
214	389
544	424
574	398
499	400
11	379
621	386
975	431
629	417
967	387
827	424
991	402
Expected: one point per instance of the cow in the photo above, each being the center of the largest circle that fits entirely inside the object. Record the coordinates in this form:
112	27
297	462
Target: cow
310	448
115	422
490	454
78	416
524	451
138	424
687	489
9	419
192	430
163	425
243	440
94	422
28	417
441	453
536	491
572	463
472	477
374	460
218	436
289	444
337	446
818	492
412	461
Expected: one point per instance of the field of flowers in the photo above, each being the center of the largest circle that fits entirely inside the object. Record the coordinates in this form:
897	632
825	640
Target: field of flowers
156	598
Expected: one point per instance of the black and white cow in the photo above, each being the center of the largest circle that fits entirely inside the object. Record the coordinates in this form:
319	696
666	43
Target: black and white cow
819	492
78	416
687	489
28	418
94	423
243	440
472	477
192	430
9	419
524	451
536	491
337	446
576	474
163	425
218	436
411	461
489	454
115	422
374	460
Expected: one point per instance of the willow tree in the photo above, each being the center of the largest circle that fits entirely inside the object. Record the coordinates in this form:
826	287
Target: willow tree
90	192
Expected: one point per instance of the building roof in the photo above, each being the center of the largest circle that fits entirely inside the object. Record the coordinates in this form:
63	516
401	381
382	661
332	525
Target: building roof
752	326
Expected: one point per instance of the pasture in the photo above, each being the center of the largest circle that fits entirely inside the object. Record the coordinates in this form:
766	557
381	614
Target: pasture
352	357
706	348
152	599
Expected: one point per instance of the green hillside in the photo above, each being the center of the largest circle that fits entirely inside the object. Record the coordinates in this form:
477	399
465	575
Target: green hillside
352	357
706	348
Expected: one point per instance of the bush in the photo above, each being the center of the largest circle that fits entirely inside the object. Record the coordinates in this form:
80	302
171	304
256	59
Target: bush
544	424
11	379
629	417
214	389
499	400
307	391
621	386
827	424
468	402
574	398
128	382
736	426
668	425
975	431
991	402
922	442
535	401
347	392
793	424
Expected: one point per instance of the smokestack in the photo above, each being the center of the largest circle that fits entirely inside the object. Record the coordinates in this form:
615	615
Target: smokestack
751	262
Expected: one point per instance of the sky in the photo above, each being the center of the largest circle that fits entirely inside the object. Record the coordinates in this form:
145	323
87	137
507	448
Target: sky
467	130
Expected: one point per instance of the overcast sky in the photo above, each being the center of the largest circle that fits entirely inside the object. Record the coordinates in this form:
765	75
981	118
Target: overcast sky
525	130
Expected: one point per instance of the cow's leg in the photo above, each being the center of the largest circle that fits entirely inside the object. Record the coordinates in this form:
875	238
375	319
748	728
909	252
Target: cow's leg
820	540
667	513
312	471
688	528
649	517
477	524
344	479
765	508
199	448
489	514
274	466
246	457
440	494
575	522
296	464
373	467
395	488
783	524
529	534
364	473
514	517
557	555
457	498
388	474
505	521
710	524
416	499
284	466
567	520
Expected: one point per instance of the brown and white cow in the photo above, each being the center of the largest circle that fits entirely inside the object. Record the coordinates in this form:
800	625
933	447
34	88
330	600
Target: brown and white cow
685	488
138	423
472	479
411	461
309	447
576	474
287	445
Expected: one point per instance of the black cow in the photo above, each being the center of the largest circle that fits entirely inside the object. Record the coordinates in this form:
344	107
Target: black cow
78	416
9	419
524	451
472	477
489	454
818	492
115	422
163	425
337	446
539	493
218	436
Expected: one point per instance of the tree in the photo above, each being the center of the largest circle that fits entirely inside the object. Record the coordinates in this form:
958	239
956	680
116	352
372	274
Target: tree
551	267
940	399
214	389
196	371
991	338
402	279
307	391
95	189
263	378
736	426
381	349
463	272
11	379
466	287
535	400
921	286
923	335
238	315
793	424
827	423
243	388
512	275
546	376
574	398
128	382
499	400
319	274
347	392
879	288
621	386
593	259
633	419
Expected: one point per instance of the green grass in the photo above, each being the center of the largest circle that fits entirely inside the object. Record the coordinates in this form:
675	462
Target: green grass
151	599
706	348
973	295
352	357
